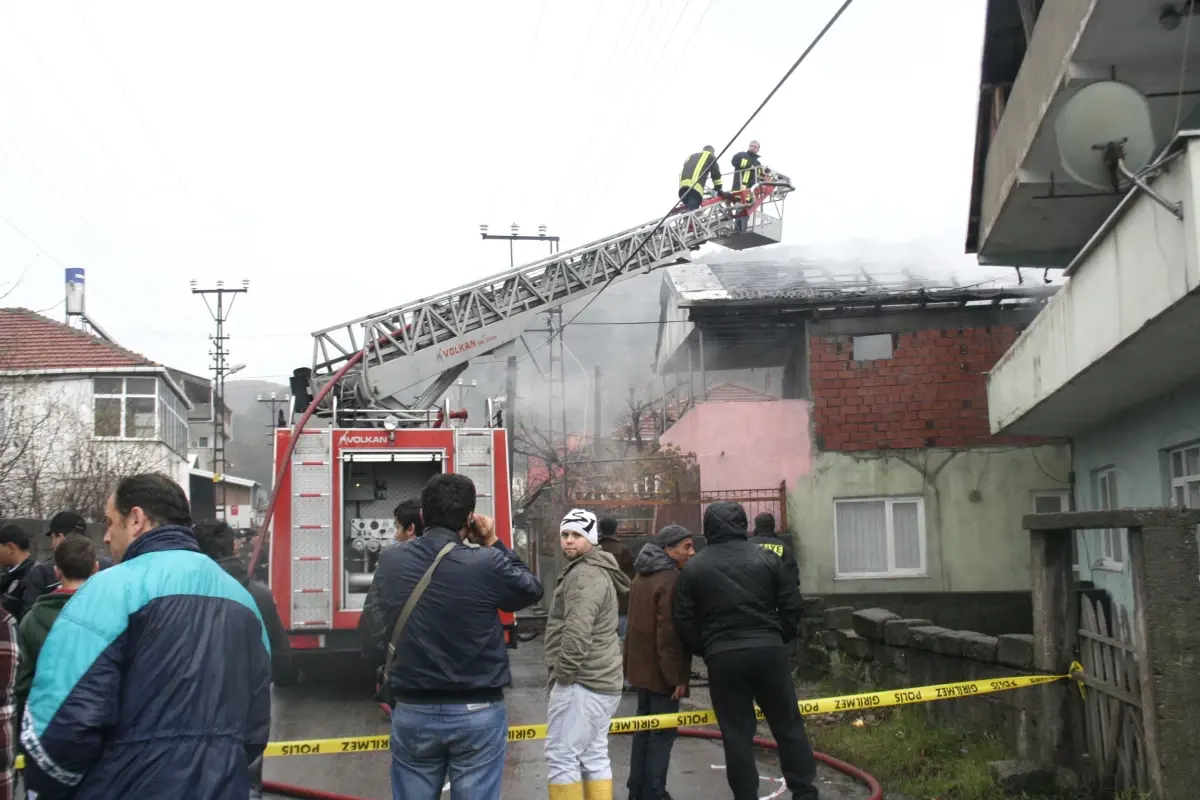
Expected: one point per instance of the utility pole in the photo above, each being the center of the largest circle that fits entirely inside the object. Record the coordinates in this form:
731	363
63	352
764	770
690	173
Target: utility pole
274	423
516	236
220	314
511	378
596	416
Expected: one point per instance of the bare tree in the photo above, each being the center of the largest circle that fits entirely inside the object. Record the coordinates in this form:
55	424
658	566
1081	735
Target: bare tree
50	460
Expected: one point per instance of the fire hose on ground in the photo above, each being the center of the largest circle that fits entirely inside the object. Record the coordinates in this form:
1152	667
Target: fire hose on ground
687	720
692	733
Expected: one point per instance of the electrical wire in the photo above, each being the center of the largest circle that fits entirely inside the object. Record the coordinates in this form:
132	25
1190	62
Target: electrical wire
624	59
779	85
627	128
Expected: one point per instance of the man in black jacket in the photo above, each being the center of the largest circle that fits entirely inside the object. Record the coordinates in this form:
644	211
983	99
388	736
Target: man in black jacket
450	667
745	168
42	579
738	607
771	542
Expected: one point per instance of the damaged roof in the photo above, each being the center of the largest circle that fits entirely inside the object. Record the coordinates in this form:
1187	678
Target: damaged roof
795	276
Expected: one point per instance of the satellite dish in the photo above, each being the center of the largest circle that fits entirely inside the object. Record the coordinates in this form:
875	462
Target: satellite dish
1103	132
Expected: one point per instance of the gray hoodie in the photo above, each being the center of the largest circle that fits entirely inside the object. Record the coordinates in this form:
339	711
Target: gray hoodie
582	645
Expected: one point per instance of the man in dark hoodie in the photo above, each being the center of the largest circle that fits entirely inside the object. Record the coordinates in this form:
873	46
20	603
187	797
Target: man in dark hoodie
656	662
217	541
738	606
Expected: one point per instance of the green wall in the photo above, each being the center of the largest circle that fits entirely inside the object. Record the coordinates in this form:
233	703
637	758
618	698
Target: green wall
974	543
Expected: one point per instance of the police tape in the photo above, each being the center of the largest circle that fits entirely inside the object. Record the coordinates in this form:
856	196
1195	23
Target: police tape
826	705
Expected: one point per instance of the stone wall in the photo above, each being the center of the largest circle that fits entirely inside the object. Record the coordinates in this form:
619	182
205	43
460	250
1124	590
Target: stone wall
986	612
884	650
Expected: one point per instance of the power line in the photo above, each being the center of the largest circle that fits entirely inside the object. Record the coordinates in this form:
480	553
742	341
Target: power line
626	128
804	55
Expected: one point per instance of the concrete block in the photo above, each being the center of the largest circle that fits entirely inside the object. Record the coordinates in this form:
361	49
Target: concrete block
895	631
869	622
1015	650
981	648
894	658
852	644
923	636
840	618
953	643
829	639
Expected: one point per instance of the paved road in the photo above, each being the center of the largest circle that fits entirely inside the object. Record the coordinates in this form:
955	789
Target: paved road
343	708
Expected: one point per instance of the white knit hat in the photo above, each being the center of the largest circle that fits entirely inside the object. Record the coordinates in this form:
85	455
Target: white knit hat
581	522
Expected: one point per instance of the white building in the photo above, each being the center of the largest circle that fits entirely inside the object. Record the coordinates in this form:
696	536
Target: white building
1111	362
78	413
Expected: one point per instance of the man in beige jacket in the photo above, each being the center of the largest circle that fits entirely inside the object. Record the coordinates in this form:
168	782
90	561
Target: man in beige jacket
583	658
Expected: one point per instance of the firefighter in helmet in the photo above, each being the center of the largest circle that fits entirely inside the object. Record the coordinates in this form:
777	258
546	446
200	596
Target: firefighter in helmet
698	168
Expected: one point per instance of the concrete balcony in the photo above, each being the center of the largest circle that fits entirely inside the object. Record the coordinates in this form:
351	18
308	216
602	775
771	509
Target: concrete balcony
1124	329
1026	211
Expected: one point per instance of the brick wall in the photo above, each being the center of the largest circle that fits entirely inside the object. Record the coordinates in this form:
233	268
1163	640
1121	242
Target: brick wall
932	392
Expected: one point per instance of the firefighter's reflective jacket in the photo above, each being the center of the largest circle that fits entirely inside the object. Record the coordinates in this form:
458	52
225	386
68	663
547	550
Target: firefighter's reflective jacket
745	172
697	168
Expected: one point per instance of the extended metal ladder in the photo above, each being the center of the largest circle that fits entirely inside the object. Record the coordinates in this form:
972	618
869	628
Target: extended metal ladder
436	337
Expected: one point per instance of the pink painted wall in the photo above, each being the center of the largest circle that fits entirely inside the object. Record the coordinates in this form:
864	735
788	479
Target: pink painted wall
746	445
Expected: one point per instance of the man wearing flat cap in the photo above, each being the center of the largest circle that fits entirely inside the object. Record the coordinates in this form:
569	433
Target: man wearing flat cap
42	579
656	662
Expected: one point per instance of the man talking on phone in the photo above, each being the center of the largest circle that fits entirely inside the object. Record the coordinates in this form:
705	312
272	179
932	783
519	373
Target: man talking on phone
447	664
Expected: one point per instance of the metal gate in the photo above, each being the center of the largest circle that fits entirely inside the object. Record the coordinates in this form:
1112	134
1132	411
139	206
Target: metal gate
1116	739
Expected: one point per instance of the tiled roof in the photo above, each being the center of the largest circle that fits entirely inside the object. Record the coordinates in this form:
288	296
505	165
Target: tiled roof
31	341
736	393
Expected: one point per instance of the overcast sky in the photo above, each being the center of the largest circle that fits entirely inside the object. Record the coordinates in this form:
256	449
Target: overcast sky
342	156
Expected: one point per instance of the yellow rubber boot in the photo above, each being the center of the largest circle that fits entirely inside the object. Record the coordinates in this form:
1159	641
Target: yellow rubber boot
569	791
598	790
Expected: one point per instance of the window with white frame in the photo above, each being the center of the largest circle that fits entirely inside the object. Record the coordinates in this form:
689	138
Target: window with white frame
139	409
880	537
1112	551
1185	476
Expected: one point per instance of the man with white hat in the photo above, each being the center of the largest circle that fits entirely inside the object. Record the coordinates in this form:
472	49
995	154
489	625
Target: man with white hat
583	657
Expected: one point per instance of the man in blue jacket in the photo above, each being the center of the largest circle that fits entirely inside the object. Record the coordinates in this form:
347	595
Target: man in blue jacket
154	681
451	666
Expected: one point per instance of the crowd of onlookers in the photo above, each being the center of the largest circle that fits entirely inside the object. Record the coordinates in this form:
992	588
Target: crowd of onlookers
147	679
616	622
151	678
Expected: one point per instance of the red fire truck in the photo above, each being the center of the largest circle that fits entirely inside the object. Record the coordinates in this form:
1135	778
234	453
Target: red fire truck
368	448
339	488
